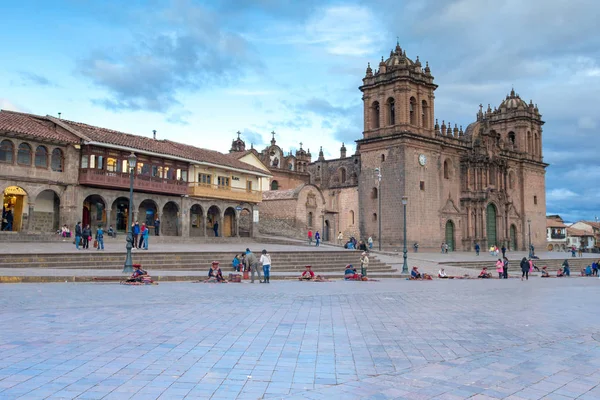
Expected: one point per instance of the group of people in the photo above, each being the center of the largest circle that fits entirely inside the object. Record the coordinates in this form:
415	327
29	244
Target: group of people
415	275
317	237
141	234
591	270
247	262
83	236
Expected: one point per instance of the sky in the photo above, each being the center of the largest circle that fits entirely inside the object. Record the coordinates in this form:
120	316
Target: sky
199	71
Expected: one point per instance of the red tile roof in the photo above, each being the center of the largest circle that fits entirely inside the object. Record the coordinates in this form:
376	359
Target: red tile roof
34	126
554	223
577	232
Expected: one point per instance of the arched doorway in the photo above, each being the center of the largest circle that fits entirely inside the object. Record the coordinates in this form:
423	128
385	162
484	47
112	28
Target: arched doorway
120	212
213	217
326	231
229	222
513	237
196	220
245	223
94	211
15	202
491	225
147	212
450	235
46	212
169	224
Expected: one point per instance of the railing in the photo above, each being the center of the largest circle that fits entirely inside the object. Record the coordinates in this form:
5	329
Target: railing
557	236
224	192
145	183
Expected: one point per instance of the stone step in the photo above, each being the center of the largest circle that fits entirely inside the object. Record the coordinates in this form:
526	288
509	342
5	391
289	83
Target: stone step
552	264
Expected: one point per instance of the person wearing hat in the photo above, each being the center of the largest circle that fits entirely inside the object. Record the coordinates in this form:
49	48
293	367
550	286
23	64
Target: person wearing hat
138	274
252	264
308	274
350	274
364	263
214	273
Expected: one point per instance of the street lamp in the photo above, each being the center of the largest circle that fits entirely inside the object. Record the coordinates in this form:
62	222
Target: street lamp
128	267
378	172
405	265
529	235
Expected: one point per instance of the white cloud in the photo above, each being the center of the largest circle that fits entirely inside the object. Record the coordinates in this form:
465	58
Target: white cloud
5	104
560	194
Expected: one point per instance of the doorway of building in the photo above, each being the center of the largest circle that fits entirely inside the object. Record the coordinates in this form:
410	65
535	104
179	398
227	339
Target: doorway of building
491	225
121	211
229	222
513	238
326	231
14	202
450	235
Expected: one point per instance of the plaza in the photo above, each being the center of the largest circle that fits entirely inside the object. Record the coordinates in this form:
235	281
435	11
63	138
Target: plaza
391	339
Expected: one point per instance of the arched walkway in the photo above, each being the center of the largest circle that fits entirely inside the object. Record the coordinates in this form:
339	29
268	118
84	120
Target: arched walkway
229	222
197	221
213	221
94	211
245	223
169	225
491	225
120	213
147	212
450	236
46	212
14	205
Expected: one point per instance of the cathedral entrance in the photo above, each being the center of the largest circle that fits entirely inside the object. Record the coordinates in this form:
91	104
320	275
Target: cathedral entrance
450	235
513	237
491	225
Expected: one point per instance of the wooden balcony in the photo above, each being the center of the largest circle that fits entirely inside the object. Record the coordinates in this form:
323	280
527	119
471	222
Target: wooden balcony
120	180
224	193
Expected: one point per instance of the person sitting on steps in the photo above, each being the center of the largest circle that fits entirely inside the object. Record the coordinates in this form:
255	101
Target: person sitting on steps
350	274
545	273
307	275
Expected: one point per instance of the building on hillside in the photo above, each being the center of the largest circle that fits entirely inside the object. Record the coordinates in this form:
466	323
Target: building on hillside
592	227
478	185
556	234
188	189
580	239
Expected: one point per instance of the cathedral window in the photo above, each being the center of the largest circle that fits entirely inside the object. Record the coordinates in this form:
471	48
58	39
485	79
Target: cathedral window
529	143
446	170
425	114
309	219
382	157
413	110
422	185
374	193
351	217
375	115
391	111
374	217
535	200
274	185
342	175
512	139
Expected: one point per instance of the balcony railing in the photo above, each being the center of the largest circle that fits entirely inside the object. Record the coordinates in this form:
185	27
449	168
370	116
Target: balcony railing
224	192
120	180
557	236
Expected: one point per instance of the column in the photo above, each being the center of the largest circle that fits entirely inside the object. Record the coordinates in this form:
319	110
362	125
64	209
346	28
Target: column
29	225
237	224
469	222
204	222
108	221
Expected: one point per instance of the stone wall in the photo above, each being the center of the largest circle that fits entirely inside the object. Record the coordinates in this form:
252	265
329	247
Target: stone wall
44	222
278	217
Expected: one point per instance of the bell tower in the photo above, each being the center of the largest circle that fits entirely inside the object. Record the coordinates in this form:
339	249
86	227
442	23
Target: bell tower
398	97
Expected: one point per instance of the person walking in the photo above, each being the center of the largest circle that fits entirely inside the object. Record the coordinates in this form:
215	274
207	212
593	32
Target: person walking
265	260
525	268
505	268
416	247
135	229
145	237
252	265
503	251
477	249
310	237
566	268
572	251
86	236
157	227
100	238
340	238
78	233
317	238
143	230
216	228
370	242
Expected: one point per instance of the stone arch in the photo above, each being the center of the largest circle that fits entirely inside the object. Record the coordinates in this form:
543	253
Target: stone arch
413	111
450	238
537	148
374	193
375	115
229	222
24	154
390	106
529	147
343	177
147	212
46	212
169	223
41	157
213	217
309	219
93	211
197	227
512	139
424	114
447	168
491	218
15	208
7	151
120	213
351	218
274	185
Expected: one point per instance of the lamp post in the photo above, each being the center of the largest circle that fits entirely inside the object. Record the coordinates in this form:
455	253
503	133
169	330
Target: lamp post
529	236
378	172
128	267
405	265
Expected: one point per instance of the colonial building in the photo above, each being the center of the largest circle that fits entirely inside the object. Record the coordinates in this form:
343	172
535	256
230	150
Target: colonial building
482	184
57	172
592	227
580	239
556	234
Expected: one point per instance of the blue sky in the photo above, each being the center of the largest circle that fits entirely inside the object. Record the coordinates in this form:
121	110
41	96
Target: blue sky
198	71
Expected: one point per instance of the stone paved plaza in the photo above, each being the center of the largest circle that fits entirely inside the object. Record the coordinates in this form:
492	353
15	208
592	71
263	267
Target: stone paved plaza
392	339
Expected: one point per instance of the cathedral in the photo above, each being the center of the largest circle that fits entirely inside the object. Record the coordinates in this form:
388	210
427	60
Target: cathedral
484	184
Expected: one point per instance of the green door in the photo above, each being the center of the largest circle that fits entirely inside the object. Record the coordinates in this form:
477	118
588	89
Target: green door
513	237
450	235
491	225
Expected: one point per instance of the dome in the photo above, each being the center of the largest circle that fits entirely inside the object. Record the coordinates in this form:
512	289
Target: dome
472	129
398	58
513	101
